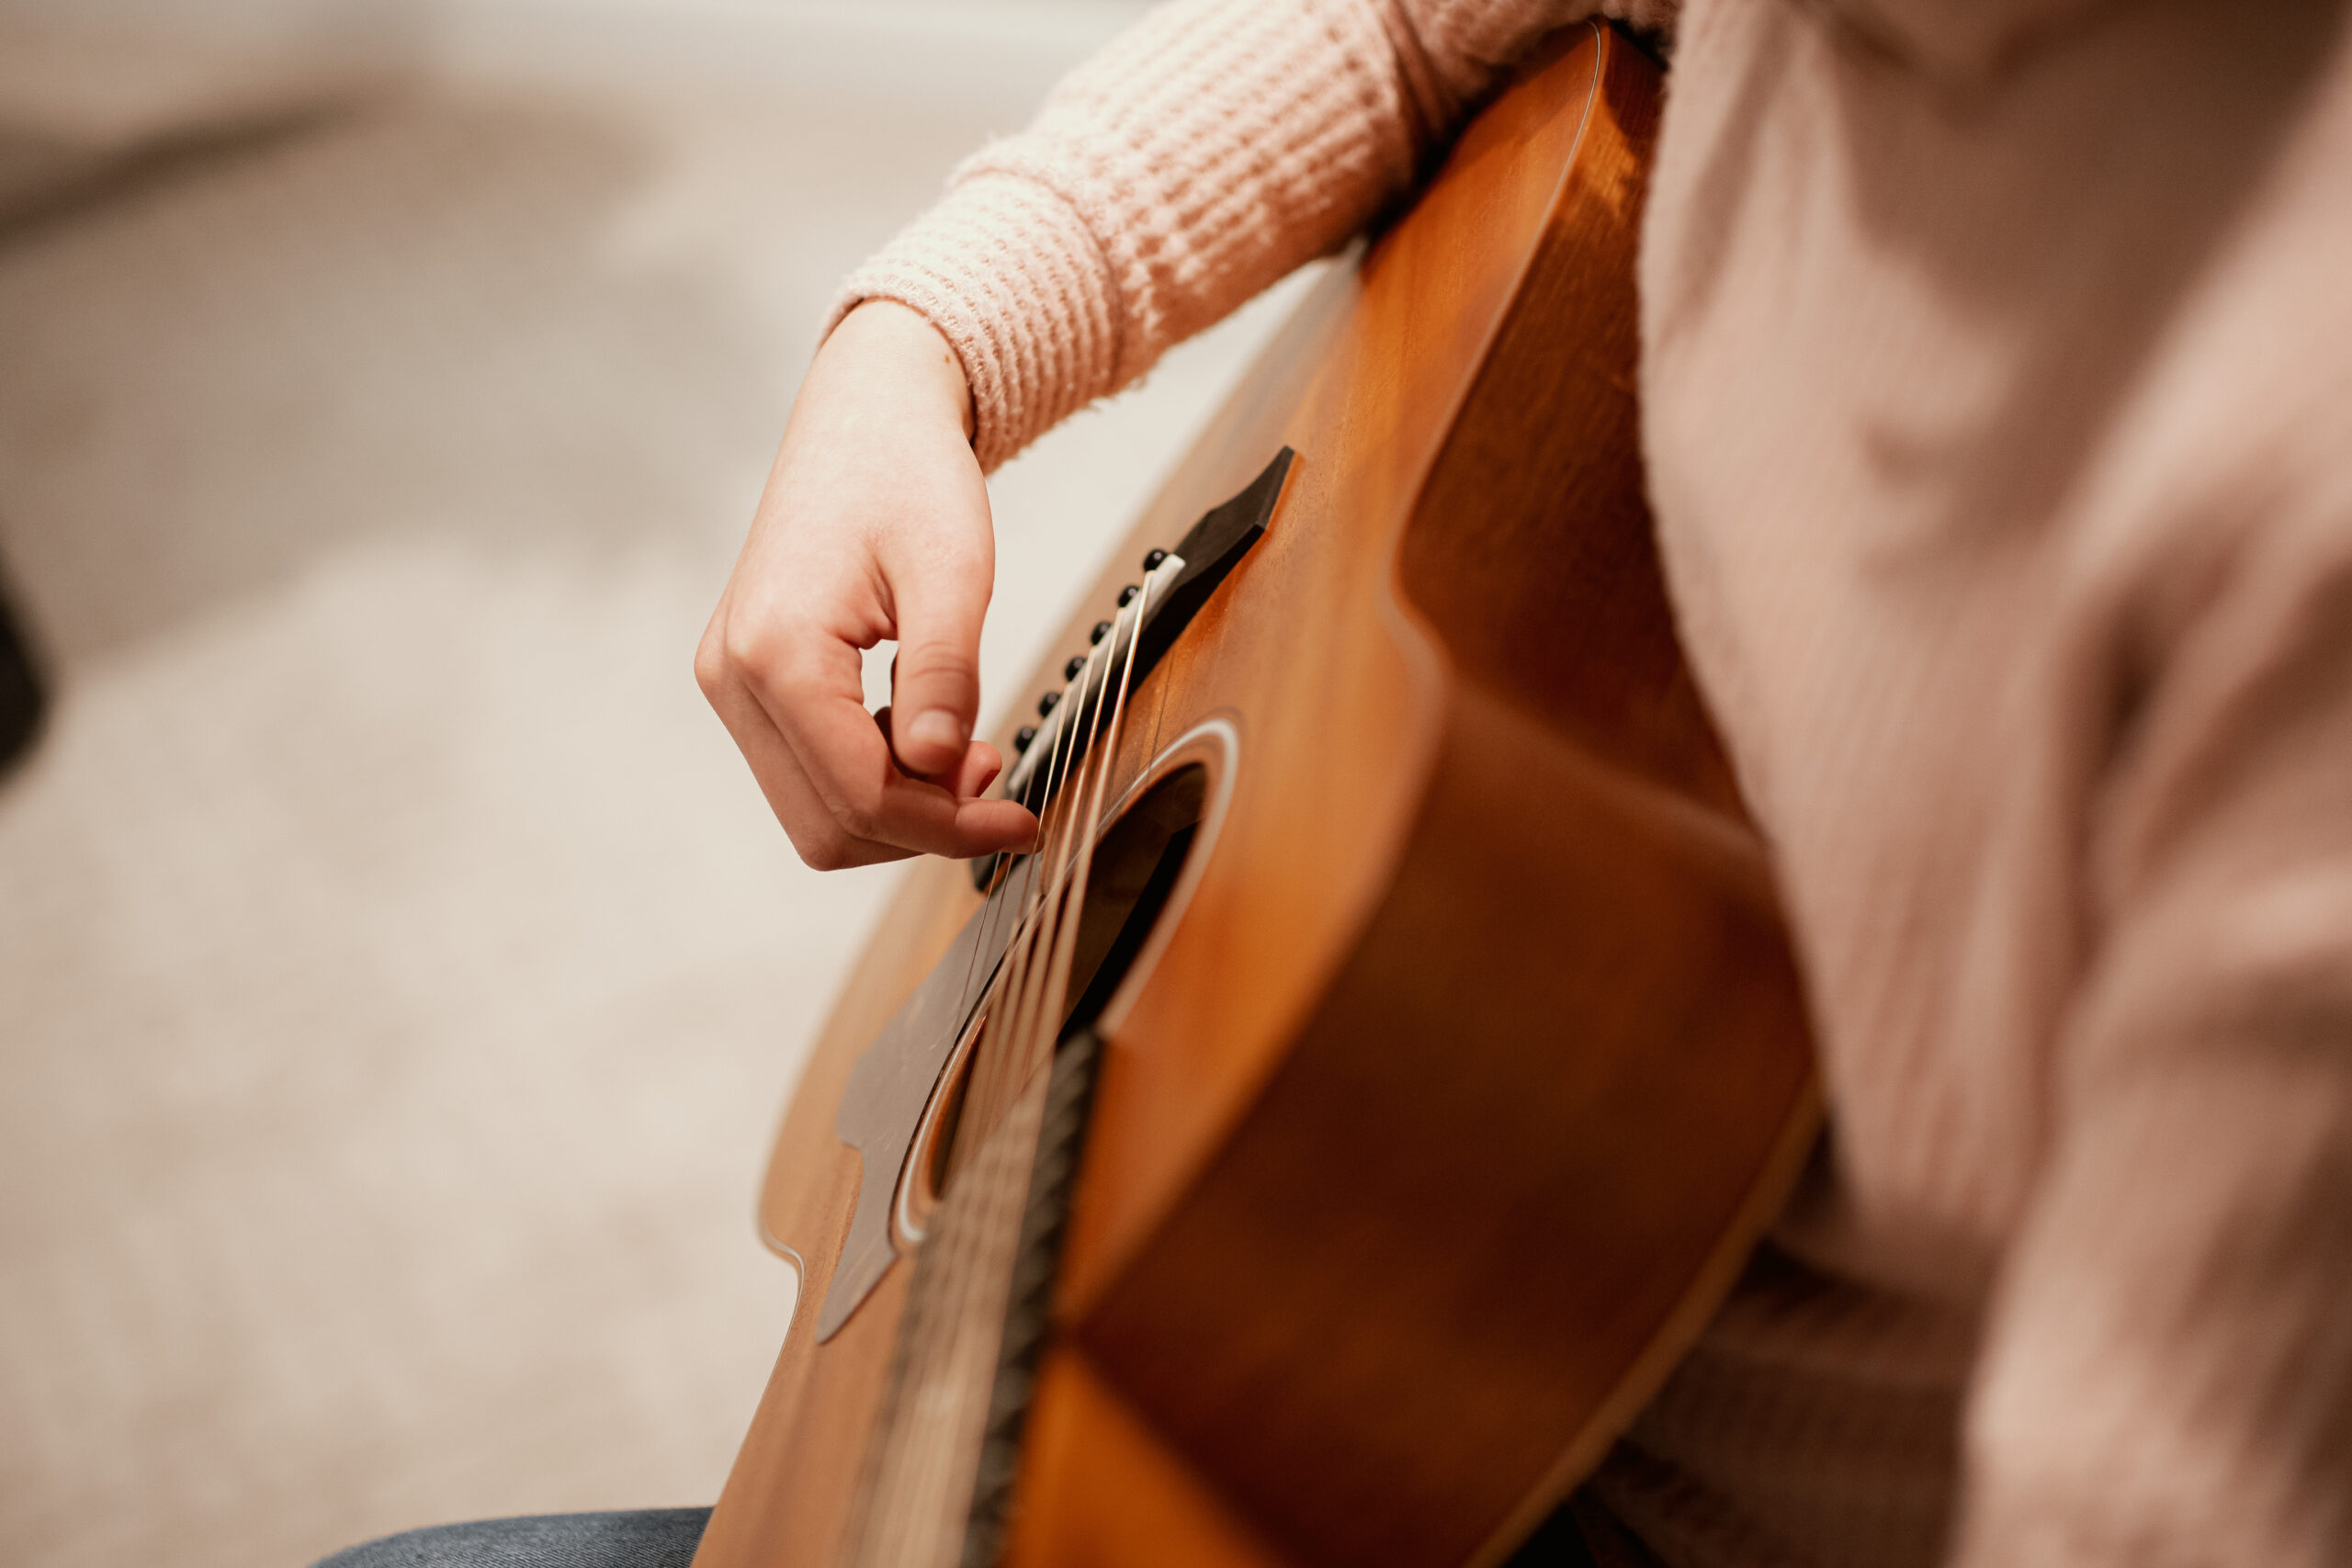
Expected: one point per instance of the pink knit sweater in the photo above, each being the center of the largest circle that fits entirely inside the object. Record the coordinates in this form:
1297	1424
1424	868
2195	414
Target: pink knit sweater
1997	360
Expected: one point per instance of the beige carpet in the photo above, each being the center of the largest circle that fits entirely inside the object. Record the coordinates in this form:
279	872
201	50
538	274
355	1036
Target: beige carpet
399	973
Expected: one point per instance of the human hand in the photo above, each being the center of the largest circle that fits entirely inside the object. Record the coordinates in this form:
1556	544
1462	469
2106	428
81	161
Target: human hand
873	526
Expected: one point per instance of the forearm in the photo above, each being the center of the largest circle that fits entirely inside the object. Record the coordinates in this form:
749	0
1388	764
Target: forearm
1214	148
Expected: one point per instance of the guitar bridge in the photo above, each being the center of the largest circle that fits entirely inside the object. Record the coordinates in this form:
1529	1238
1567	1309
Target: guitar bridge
1180	581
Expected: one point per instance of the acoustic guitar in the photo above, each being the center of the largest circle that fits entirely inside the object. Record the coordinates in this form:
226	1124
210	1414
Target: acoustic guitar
1319	1149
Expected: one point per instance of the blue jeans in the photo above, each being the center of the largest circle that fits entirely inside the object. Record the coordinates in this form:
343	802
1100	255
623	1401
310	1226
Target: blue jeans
665	1538
646	1537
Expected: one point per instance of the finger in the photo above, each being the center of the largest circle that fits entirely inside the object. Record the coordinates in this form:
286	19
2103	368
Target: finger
996	825
935	679
980	767
820	839
981	764
974	771
835	785
971	784
844	758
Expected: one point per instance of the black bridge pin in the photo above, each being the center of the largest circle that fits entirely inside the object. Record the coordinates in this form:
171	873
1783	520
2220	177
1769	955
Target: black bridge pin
1077	663
1127	595
1101	629
1022	735
1046	703
1151	559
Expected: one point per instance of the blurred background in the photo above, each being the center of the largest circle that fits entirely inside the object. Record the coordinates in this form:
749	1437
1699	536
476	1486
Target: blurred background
400	974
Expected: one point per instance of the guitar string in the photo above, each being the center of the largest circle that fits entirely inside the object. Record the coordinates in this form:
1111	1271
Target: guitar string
880	1480
966	1352
1012	1063
929	1465
1090	815
913	1452
1022	1003
1060	905
1130	621
995	898
999	896
1066	944
992	900
909	1471
981	1286
906	1506
945	1265
979	1317
992	906
1043	874
911	1501
984	1080
1087	795
948	1263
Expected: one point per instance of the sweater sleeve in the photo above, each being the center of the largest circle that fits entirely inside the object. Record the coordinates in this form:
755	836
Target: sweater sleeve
1210	150
2166	1377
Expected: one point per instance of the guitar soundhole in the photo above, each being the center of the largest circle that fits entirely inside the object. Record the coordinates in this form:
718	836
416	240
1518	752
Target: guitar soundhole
1138	862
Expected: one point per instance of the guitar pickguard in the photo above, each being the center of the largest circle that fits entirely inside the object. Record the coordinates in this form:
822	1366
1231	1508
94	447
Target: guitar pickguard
893	1080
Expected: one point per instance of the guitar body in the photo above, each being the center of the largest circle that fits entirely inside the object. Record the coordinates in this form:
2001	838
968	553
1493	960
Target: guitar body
1463	1058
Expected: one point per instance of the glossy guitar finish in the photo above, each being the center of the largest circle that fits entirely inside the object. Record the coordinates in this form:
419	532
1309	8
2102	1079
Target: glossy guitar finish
1471	1060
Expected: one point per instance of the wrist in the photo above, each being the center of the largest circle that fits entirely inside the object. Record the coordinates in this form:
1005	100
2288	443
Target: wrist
905	339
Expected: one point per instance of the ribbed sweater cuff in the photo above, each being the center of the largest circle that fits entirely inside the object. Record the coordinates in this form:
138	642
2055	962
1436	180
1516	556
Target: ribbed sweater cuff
1008	273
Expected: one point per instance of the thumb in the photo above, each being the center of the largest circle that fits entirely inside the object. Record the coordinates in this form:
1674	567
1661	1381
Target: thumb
935	679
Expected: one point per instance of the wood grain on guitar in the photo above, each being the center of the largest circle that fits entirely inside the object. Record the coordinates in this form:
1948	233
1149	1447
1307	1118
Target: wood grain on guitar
1451	1054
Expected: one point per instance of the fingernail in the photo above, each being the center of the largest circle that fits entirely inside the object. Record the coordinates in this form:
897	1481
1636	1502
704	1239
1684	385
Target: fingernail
937	728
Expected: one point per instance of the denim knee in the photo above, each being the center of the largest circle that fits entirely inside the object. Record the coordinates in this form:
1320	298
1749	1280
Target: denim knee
644	1538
